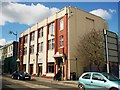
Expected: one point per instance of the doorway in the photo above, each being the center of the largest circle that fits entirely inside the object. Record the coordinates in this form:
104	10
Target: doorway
31	69
60	65
40	69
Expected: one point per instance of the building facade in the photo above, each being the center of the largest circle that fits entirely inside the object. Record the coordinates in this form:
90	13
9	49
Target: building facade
51	44
8	56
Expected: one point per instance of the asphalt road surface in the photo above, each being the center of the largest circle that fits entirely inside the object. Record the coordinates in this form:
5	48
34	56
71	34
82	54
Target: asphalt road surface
12	84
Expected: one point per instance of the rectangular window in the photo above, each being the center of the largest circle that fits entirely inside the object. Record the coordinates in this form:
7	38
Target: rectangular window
26	38
53	42
40	47
51	28
31	49
49	44
61	24
25	50
51	67
12	48
32	36
40	32
61	41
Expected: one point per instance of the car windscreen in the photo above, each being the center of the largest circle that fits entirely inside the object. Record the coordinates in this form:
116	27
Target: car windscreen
110	77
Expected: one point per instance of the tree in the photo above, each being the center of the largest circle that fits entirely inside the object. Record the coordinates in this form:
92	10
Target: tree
91	47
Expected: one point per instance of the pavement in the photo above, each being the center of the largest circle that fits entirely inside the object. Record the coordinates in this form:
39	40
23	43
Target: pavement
48	80
65	82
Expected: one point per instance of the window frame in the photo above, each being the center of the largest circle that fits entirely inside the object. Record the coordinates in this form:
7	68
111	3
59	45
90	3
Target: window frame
40	47
61	24
40	32
49	44
61	40
51	28
53	43
25	50
32	36
25	38
50	67
31	49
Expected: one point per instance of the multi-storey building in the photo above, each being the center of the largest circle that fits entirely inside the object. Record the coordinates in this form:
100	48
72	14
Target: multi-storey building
8	56
51	43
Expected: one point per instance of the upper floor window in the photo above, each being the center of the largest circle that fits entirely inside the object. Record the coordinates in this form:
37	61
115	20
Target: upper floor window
26	38
31	49
25	50
40	47
51	44
61	24
12	48
32	36
51	28
40	32
61	41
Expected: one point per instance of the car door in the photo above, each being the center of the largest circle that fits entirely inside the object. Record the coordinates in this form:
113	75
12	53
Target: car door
86	80
98	82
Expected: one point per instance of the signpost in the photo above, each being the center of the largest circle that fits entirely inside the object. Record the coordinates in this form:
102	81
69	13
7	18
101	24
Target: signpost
111	48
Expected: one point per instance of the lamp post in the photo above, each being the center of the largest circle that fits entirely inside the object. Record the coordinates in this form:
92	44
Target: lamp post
11	32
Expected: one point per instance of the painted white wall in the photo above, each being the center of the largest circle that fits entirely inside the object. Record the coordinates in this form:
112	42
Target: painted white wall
27	59
35	51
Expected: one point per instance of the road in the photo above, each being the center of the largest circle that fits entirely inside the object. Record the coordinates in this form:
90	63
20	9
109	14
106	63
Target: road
12	84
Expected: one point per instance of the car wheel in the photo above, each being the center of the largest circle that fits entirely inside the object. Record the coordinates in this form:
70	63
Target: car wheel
113	89
81	87
18	78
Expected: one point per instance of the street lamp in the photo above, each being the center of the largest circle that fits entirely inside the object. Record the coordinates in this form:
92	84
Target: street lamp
11	32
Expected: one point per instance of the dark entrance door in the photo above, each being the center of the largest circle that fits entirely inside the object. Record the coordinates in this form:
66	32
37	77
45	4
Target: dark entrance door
59	63
39	69
31	69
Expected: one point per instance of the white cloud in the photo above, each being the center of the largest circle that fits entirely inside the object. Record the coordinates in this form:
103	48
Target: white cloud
102	13
8	42
24	14
2	41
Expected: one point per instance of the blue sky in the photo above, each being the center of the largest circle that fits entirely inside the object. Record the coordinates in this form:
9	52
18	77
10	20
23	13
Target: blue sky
14	14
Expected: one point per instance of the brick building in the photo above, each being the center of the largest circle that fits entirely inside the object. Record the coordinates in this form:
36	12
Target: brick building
50	44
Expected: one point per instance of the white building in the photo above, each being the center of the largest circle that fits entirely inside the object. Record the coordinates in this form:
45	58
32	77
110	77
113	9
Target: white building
50	44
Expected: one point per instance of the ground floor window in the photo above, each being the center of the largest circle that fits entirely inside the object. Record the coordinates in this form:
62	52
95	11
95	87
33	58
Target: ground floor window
51	67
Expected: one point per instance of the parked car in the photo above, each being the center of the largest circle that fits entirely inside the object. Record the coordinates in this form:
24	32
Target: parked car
21	75
98	81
